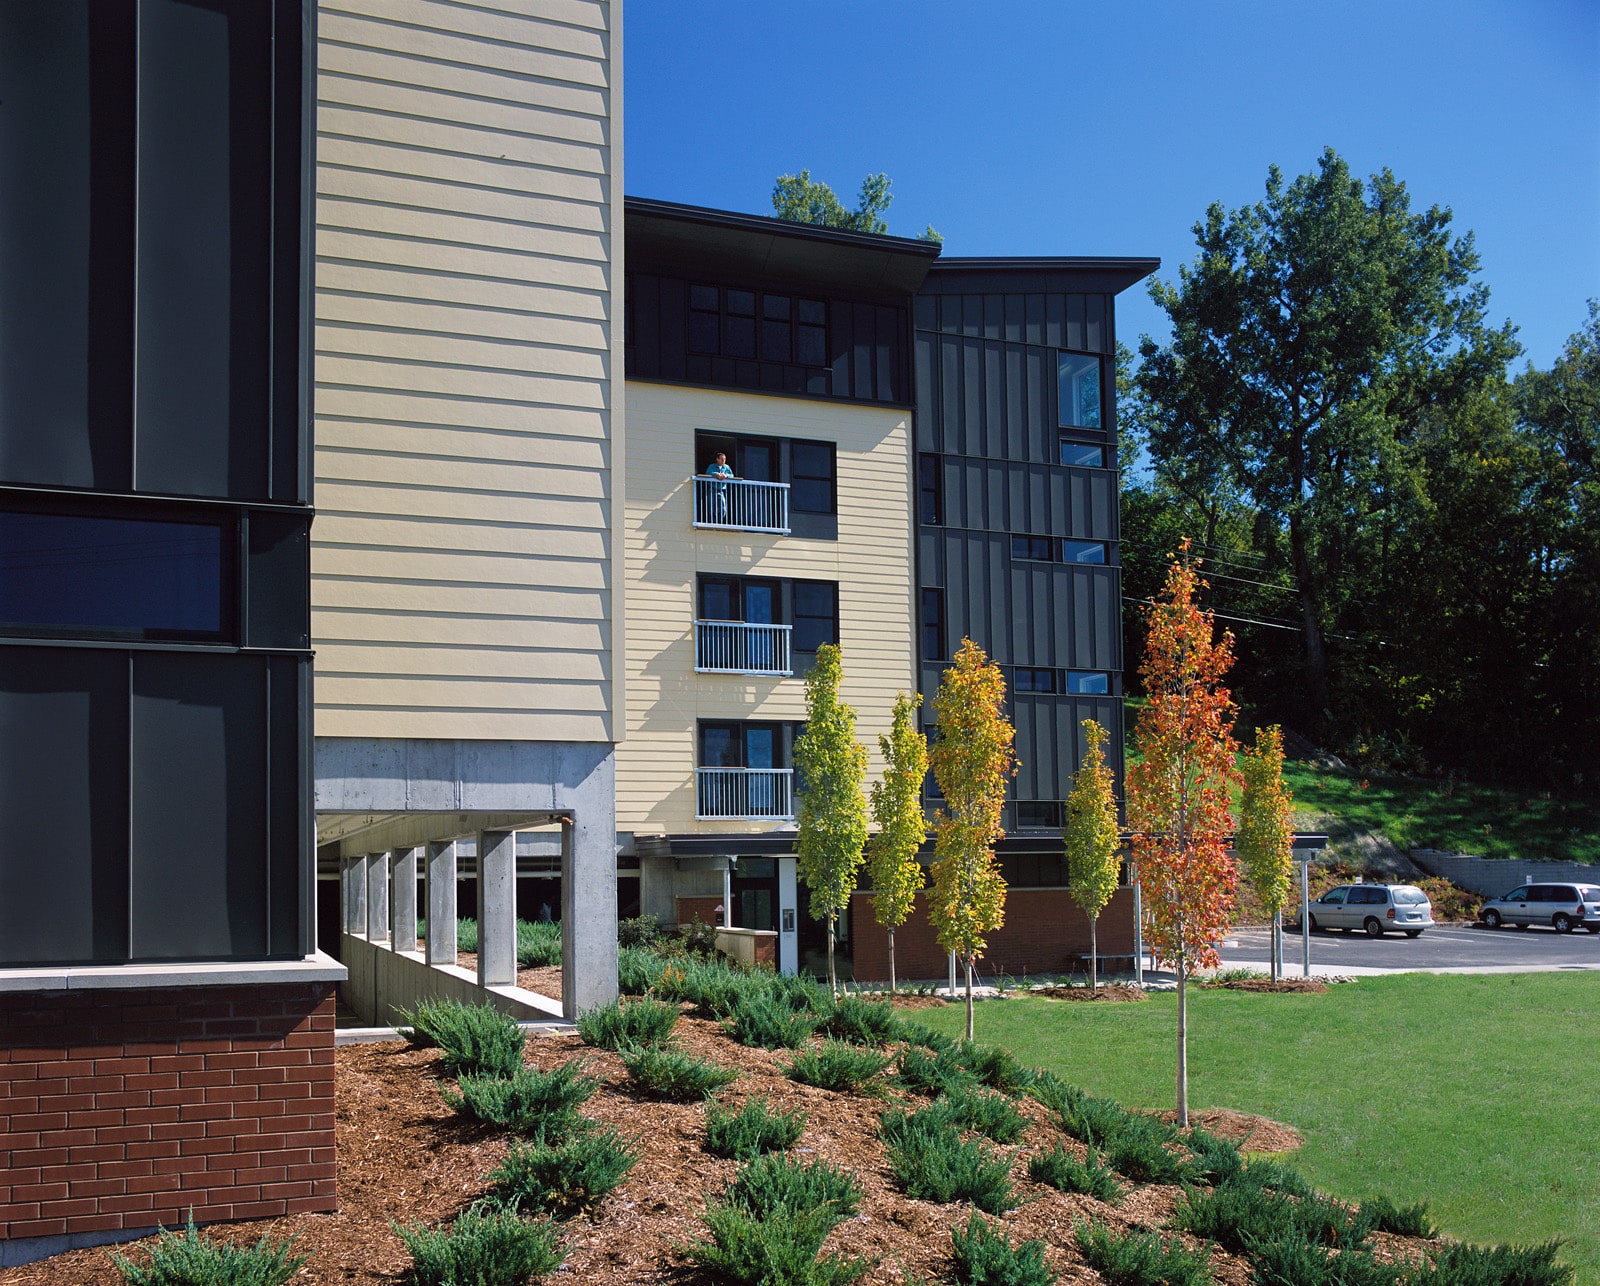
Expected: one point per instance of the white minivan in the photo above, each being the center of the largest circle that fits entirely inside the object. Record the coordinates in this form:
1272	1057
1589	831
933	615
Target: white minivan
1373	908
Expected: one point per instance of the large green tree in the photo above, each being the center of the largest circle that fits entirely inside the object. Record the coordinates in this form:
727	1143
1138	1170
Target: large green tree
832	809
1091	839
1307	334
799	198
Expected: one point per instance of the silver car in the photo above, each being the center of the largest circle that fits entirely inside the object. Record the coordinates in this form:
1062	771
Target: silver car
1564	907
1373	908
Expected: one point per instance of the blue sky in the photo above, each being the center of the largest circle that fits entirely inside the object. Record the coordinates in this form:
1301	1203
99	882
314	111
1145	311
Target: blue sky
1056	127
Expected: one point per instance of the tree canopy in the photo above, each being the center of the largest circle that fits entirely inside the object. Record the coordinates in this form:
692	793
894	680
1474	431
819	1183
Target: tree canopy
1178	792
831	811
801	199
1091	839
972	762
896	802
1307	334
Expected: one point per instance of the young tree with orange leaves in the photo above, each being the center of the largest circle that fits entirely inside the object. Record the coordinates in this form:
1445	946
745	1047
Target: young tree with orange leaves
1178	794
972	761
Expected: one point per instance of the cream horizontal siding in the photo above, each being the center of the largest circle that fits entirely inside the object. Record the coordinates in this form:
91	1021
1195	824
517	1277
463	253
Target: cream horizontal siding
871	563
468	435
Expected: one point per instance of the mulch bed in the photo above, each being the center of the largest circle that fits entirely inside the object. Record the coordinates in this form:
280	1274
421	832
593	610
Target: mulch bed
1308	986
1108	993
404	1156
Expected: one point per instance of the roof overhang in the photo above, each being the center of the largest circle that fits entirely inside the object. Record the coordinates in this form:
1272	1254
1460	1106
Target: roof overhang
696	241
1070	274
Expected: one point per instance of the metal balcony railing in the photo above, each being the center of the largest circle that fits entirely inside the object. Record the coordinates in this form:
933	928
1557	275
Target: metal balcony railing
736	647
744	794
737	504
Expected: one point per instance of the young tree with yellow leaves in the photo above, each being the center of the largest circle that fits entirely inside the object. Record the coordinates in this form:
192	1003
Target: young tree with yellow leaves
1091	839
902	825
831	810
972	761
1265	839
1178	805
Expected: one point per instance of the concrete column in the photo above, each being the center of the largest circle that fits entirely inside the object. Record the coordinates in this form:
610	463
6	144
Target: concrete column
403	898
440	877
497	908
588	909
727	895
377	897
355	906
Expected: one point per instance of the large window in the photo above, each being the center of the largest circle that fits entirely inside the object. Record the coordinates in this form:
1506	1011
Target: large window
728	322
811	478
933	648
1055	549
930	491
809	469
1078	380
816	615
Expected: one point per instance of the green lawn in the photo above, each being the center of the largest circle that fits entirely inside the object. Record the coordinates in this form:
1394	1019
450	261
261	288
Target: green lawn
1422	812
1478	1093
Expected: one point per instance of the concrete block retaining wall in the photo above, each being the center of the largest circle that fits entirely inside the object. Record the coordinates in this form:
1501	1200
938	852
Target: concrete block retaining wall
382	982
1492	876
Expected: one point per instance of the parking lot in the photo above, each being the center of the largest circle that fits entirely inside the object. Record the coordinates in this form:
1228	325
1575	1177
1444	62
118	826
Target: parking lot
1449	948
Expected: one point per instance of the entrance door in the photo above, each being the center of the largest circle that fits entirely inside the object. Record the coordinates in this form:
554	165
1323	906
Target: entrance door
755	893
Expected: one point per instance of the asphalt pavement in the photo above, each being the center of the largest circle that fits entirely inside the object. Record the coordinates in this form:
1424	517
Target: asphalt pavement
1453	948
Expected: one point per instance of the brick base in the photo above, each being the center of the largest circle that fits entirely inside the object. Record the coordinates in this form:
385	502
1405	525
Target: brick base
127	1109
1045	932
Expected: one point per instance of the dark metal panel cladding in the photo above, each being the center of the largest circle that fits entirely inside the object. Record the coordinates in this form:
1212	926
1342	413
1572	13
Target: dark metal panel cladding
198	831
671	320
1097	334
950	314
994	421
285	787
63	805
995	478
951	441
1015	327
925	312
1055	321
291	26
1041	407
997	561
1017	439
1075	315
1033	313
66	243
278	579
931	560
994	308
841	336
927	388
861	360
1025	712
972	315
204	259
643	355
972	398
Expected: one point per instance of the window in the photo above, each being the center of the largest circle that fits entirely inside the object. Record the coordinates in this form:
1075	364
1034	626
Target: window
1078	391
932	624
1052	549
930	494
816	614
1040	548
737	323
1034	870
738	598
1039	814
1028	679
811	477
1090	455
744	771
1088	683
1083	551
114	577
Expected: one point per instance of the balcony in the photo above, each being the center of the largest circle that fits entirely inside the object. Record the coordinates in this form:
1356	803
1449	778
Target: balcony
735	647
744	794
737	504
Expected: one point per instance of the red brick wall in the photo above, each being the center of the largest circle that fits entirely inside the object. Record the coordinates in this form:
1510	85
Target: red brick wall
1044	932
122	1109
705	908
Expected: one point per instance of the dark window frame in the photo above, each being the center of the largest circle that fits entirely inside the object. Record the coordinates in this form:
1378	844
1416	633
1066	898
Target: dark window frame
1063	357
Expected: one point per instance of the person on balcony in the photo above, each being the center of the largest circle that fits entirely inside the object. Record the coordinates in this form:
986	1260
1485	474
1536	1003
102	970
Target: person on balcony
719	490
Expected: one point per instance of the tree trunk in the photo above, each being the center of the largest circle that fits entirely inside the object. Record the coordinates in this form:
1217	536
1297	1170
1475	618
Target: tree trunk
1094	957
1310	622
833	979
1277	945
969	997
1183	1050
892	987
